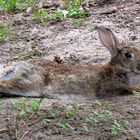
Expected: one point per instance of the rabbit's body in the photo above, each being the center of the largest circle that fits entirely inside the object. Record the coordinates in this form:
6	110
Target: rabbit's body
50	79
39	78
85	81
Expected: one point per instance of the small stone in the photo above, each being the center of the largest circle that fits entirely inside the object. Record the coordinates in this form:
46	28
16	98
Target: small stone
29	9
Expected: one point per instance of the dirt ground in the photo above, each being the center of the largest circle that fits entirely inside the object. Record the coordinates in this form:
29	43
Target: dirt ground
114	118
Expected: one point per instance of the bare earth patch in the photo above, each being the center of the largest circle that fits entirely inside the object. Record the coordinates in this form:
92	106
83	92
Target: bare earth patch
114	118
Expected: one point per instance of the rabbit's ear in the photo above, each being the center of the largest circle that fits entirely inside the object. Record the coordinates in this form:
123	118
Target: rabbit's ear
108	39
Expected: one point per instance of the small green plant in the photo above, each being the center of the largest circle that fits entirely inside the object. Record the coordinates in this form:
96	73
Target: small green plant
82	106
19	104
74	9
9	5
46	122
98	116
126	123
106	105
3	33
79	22
12	5
66	126
22	5
107	113
91	120
22	114
71	114
75	4
70	111
32	53
6	32
85	128
97	102
42	16
37	105
21	107
116	128
91	29
60	15
77	14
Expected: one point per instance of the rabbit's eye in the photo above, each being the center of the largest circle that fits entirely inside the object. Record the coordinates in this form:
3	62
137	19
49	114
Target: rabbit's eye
128	55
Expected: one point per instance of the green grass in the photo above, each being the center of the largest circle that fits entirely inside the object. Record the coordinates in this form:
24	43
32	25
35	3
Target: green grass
3	33
85	128
73	4
26	4
66	126
116	128
42	16
127	123
37	105
78	118
46	122
73	10
9	5
12	5
79	22
24	108
6	32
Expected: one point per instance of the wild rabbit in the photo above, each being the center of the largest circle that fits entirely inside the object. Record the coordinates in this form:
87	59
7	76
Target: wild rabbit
39	78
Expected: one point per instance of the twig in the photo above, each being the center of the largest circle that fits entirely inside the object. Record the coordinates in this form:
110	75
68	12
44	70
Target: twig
109	12
27	132
3	130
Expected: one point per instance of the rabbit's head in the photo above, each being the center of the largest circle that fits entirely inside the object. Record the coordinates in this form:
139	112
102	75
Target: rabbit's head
125	57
